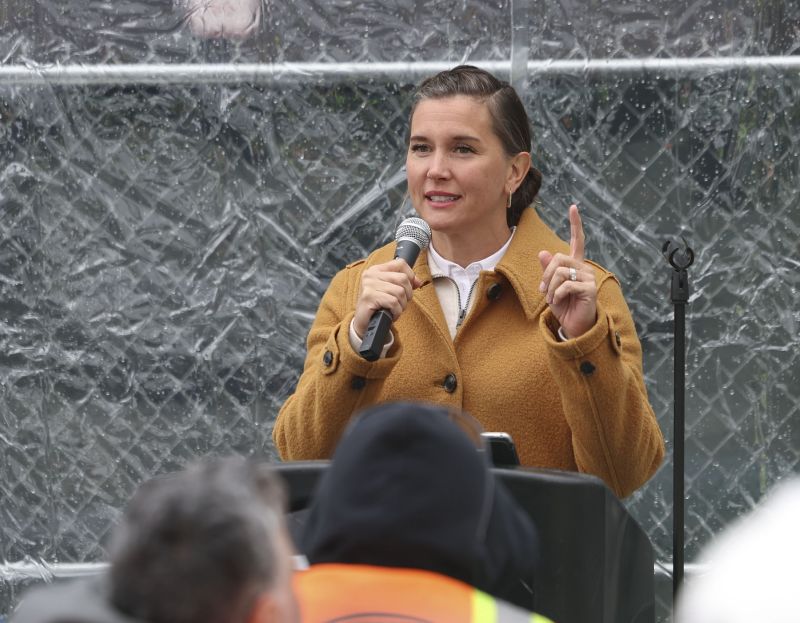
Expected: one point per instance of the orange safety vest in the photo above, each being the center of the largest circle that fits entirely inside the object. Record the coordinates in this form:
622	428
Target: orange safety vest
341	593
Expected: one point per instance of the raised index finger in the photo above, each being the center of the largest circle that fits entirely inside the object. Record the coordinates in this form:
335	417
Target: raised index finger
576	236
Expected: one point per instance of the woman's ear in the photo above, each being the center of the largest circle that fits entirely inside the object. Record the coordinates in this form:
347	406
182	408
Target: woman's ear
518	168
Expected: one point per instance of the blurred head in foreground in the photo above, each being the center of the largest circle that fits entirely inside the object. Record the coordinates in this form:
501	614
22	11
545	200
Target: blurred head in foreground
751	567
408	487
205	544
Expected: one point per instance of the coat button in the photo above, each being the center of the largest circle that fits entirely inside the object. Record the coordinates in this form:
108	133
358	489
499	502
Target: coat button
618	337
587	367
358	382
327	358
494	291
450	383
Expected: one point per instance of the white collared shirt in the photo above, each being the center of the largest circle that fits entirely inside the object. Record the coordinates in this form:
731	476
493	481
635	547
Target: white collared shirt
454	283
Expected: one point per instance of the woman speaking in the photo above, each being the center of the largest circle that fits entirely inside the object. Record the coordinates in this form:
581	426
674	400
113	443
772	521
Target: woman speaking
498	317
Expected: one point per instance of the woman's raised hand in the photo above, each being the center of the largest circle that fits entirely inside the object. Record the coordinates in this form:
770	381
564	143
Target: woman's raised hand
386	286
569	284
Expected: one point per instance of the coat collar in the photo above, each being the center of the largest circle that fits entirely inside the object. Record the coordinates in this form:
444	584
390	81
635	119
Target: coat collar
520	265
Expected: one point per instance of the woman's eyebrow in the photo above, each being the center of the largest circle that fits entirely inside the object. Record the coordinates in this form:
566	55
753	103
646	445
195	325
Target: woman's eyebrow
459	137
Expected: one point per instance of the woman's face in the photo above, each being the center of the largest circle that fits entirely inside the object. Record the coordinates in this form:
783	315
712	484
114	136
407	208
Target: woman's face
459	175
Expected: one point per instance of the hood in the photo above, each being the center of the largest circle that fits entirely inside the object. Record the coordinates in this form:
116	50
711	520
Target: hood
407	488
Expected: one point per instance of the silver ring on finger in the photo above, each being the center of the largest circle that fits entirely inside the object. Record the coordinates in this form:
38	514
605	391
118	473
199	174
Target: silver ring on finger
573	274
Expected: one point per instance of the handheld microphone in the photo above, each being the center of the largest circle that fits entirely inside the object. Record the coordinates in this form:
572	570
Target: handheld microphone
412	236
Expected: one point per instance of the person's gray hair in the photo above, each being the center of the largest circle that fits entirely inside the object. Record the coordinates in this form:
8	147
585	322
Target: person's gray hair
198	545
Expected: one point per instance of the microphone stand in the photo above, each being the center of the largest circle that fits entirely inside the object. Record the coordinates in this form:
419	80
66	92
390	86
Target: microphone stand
680	259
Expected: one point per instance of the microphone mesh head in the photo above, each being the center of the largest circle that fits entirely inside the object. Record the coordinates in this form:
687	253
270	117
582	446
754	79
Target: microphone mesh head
416	230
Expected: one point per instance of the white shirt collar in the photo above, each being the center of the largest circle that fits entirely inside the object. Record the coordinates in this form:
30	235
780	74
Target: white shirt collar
441	267
463	278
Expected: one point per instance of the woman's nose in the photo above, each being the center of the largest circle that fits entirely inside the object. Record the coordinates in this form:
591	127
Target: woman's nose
437	168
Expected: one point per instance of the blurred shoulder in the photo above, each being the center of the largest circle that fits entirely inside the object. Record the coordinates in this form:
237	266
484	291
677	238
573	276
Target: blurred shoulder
76	601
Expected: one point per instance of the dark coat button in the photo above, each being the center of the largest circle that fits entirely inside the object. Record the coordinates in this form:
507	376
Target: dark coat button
327	358
618	337
587	367
450	383
358	382
494	291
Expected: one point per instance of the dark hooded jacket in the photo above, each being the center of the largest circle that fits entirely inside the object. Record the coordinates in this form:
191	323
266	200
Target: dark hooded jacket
407	488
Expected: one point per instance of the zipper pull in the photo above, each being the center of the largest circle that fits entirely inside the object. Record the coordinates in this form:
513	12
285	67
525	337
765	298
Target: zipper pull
461	316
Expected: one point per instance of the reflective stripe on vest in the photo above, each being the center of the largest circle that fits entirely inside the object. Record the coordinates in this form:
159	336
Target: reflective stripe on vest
485	609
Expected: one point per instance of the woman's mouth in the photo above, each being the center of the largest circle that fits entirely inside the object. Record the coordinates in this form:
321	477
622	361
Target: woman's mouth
440	198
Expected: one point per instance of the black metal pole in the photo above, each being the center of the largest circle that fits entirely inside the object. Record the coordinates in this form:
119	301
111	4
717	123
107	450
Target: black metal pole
680	260
678	465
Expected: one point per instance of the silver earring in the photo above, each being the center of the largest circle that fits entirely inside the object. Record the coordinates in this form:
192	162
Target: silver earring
508	205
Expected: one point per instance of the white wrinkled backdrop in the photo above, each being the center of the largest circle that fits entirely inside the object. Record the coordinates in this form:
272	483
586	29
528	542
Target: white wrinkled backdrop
168	224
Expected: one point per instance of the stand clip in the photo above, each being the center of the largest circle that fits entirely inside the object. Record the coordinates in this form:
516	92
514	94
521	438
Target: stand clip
680	259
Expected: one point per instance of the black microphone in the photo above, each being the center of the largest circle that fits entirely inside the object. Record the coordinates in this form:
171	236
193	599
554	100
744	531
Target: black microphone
412	236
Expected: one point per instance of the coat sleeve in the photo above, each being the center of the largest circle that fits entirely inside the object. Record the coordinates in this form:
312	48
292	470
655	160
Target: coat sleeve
615	434
336	381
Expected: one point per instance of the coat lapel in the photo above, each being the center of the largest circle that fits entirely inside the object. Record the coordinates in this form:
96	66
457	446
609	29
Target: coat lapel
520	264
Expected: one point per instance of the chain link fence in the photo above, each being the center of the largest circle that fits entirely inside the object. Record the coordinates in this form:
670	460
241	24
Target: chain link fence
164	242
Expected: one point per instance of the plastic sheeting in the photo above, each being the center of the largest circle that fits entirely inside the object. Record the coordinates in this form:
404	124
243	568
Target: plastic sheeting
163	246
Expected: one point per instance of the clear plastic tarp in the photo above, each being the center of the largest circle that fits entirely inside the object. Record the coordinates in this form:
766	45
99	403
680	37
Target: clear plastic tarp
179	181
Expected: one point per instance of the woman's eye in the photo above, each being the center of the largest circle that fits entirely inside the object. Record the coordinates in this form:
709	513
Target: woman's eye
419	147
464	149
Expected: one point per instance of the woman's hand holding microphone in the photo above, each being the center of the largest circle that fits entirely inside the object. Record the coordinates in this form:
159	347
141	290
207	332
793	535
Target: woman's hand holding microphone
386	286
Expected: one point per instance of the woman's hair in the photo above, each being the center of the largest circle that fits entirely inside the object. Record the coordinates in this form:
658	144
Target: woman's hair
509	119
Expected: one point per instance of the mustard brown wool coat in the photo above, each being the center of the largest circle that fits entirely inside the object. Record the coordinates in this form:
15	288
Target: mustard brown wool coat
577	405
